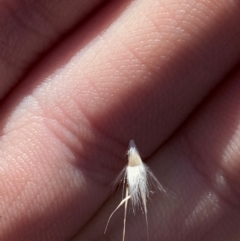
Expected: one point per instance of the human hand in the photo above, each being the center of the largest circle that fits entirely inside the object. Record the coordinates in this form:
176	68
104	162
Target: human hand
160	72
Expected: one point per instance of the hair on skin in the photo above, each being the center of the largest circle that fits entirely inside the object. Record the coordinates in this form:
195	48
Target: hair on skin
137	181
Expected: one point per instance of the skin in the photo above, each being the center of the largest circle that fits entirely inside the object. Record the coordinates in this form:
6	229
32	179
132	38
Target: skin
79	81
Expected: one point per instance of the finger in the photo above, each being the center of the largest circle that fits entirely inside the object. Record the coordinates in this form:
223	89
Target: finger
216	140
209	145
28	28
73	125
200	165
160	89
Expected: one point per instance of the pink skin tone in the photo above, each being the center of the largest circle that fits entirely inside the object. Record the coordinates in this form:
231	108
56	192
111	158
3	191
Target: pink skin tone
79	81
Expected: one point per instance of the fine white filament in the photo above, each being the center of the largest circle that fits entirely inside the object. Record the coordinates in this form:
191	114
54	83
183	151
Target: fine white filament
137	179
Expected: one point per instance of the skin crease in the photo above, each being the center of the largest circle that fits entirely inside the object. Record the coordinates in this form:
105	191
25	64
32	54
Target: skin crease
164	73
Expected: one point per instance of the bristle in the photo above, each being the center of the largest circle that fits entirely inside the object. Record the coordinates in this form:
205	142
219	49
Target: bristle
138	186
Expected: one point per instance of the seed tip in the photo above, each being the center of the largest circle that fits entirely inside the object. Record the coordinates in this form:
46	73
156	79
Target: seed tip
134	158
